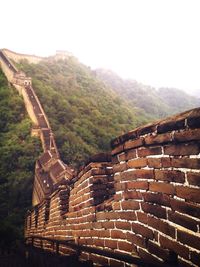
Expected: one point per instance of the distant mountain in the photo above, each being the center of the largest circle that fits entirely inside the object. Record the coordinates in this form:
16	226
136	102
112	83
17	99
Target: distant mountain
158	103
178	100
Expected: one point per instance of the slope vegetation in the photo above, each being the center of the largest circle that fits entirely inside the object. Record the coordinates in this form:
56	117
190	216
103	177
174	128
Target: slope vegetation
159	103
84	113
17	160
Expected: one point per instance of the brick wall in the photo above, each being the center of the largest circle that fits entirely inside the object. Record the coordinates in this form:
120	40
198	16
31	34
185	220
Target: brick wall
17	57
145	201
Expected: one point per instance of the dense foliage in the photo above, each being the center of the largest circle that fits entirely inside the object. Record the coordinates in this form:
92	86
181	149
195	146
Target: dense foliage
159	103
17	159
83	113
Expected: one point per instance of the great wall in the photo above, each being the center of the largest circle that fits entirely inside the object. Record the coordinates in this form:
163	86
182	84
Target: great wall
137	206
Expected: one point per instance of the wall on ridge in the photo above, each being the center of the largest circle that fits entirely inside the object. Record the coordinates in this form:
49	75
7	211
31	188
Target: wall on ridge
18	57
145	202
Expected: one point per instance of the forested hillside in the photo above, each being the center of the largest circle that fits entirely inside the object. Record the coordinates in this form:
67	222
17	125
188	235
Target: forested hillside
159	103
17	160
84	113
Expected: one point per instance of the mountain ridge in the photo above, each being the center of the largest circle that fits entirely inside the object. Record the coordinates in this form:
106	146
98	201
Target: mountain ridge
158	102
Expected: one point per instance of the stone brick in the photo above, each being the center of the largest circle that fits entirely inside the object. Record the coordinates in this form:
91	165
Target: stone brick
162	187
108	225
132	195
189	163
181	150
101	216
189	239
165	254
183	263
149	128
123	225
154	209
143	174
170	176
157	198
117	150
171	125
187	135
120	186
158	139
98	259
119	167
142	217
125	246
166	162
104	233
127	175
117	234
112	215
182	220
137	163
179	249
148	257
142	230
184	207
136	239
134	143
116	206
193	178
193	122
130	205
135	174
121	157
191	194
138	185
143	152
155	163
161	226
131	154
127	215
195	257
116	263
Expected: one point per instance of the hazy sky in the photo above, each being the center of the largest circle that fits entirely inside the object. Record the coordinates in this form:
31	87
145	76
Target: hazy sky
156	42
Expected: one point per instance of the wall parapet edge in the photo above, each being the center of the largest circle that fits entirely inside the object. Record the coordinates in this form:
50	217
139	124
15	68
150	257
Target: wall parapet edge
153	206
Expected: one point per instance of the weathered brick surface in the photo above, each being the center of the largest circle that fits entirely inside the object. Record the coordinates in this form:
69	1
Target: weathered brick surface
146	151
137	163
169	175
192	194
189	239
158	139
181	250
161	226
187	135
182	149
146	201
193	178
155	210
183	220
162	187
134	143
